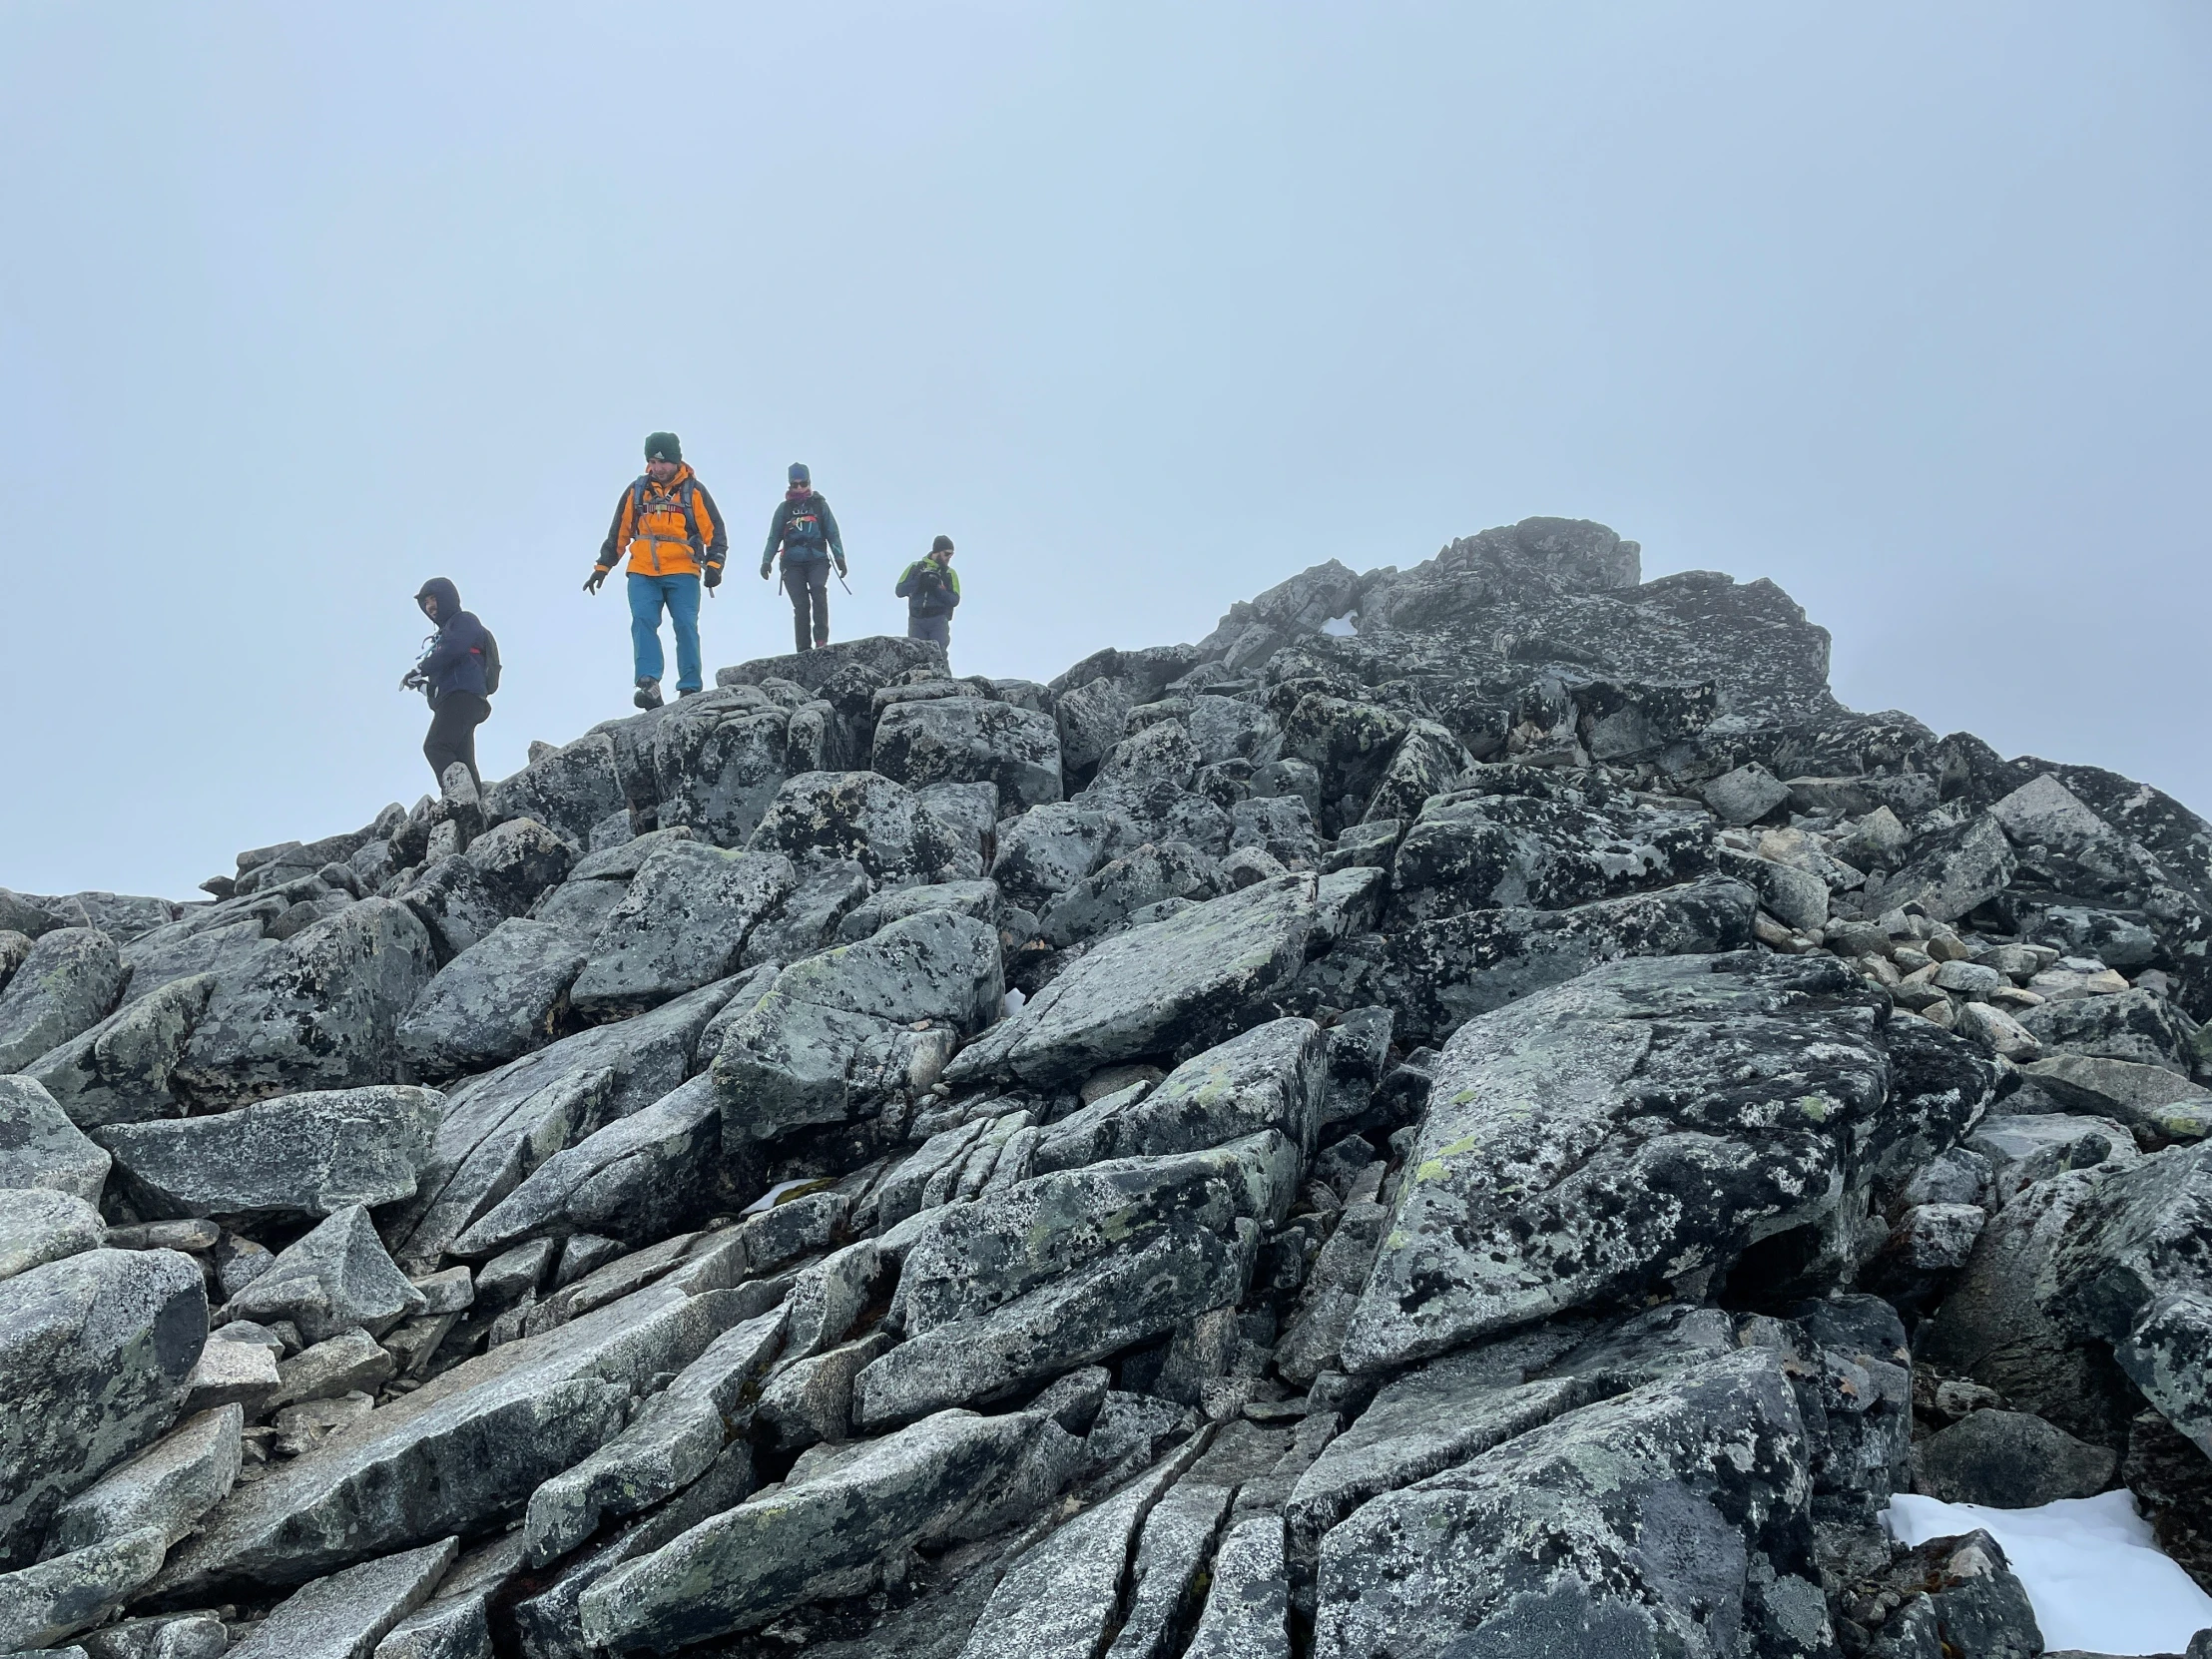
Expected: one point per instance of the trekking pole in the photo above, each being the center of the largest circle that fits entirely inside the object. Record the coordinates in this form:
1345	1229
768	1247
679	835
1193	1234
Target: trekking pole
843	583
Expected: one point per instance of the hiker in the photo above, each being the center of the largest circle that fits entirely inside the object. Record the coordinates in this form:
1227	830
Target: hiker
673	532
931	589
805	532
458	670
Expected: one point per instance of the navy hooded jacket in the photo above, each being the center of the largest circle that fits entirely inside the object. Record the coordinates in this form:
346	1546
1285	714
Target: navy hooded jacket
455	658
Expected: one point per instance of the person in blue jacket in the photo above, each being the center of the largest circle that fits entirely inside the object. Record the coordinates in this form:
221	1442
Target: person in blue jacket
931	589
452	673
804	531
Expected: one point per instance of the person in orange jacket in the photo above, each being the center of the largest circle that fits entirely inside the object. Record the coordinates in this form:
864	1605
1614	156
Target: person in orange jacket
674	537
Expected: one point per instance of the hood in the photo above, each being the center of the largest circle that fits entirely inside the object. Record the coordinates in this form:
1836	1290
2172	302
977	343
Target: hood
445	593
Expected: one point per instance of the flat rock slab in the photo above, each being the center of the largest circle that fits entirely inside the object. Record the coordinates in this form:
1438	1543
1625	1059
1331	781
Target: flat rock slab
809	1540
1644	1121
68	983
346	1614
462	1454
1183	983
495	1001
40	1147
166	1487
303	1154
1271	1078
682	924
118	1072
500	1126
94	1349
38	1226
323	1012
1675	1519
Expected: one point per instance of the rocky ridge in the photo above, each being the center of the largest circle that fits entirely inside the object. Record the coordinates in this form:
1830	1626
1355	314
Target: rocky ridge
1507	1125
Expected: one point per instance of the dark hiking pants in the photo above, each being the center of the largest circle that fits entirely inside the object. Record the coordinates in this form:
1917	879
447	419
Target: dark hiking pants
808	583
936	628
454	723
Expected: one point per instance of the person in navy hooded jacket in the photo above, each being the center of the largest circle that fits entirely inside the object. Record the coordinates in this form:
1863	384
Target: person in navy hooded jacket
454	673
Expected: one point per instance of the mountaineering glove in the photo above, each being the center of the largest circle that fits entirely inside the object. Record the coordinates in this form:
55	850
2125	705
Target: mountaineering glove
763	569
714	577
593	581
842	572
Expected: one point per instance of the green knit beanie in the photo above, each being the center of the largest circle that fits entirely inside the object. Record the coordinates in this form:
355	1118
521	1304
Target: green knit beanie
663	446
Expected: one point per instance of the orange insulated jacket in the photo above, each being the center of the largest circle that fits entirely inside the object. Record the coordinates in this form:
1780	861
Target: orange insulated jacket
671	529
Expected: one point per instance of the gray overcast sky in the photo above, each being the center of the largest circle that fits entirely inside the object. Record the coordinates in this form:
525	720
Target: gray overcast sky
1147	305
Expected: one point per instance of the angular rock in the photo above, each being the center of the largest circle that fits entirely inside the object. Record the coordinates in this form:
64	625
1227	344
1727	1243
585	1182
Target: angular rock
1759	1091
1123	887
462	1453
674	1440
1272	1077
322	1012
825	816
637	1180
346	1614
1746	795
811	1400
811	1539
683	924
93	1354
166	1488
68	983
2135	1026
1178	984
118	1072
295	1155
197	1635
832	1037
2151	1100
38	1226
40	1147
502	996
812	916
978	899
1048	850
1952	872
1439	975
335	1279
1248	1605
231	1372
42	1605
1544	1545
2013	1462
968	739
1060	1599
1063	1270
570	789
500	1126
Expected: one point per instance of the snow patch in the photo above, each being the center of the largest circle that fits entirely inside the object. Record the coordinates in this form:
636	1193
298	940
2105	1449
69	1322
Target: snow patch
1014	1000
2091	1568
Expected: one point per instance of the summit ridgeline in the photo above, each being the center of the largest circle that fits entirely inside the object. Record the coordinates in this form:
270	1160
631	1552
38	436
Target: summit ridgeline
1476	1109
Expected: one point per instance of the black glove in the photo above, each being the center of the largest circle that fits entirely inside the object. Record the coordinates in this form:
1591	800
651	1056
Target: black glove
593	582
842	572
764	568
714	576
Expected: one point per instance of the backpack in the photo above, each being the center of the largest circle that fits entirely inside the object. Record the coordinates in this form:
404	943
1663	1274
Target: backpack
489	651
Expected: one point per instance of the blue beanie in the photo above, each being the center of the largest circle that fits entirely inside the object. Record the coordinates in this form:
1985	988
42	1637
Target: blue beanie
799	474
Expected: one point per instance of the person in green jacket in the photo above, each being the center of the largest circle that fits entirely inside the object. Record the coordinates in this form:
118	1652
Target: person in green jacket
931	589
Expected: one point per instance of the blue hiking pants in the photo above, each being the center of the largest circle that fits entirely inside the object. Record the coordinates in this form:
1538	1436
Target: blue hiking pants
680	595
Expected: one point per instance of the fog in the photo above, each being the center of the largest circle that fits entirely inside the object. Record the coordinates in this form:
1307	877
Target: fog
1148	306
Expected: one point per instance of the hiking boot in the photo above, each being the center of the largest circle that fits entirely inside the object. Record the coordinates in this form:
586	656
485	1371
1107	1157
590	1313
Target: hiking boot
687	691
648	694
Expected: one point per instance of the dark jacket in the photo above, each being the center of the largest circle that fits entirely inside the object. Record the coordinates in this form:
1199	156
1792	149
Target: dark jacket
928	589
804	528
455	658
